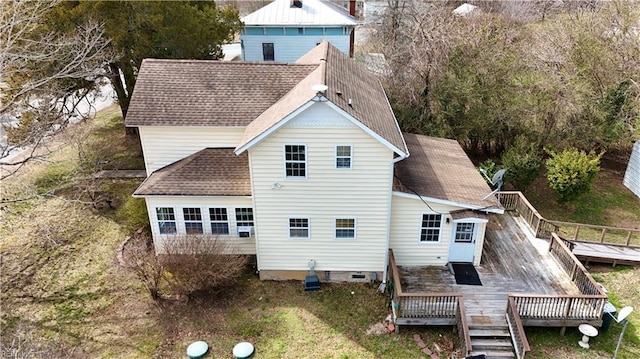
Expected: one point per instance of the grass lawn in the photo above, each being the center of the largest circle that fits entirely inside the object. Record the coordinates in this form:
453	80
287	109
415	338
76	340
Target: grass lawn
63	295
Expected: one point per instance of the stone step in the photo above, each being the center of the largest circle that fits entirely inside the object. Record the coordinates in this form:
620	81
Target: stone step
486	344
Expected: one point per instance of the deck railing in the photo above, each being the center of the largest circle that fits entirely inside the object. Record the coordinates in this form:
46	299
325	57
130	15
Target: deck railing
438	308
516	328
580	232
516	201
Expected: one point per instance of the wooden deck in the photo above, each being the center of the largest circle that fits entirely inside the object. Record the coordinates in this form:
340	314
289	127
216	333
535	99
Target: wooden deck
513	261
606	253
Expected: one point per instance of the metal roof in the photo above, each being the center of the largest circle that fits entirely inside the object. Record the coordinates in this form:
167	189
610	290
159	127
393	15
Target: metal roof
312	13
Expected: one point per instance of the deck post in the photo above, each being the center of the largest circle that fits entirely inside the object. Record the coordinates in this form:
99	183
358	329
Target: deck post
604	230
575	234
628	238
563	330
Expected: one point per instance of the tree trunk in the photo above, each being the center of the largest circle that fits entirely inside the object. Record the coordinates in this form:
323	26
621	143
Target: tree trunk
118	86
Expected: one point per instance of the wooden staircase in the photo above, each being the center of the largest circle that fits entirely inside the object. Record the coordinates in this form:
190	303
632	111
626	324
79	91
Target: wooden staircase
493	341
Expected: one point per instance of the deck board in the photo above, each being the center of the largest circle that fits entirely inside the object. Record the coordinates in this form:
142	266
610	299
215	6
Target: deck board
606	253
513	261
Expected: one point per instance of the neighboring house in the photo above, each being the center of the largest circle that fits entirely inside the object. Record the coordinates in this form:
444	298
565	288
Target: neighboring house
632	174
284	30
299	162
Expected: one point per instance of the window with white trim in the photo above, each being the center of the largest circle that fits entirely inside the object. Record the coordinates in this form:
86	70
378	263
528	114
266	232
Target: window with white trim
295	160
166	220
343	156
430	227
345	228
464	232
193	220
219	221
244	217
298	227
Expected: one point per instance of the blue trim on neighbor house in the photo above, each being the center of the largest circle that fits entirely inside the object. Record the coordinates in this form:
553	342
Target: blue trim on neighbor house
295	31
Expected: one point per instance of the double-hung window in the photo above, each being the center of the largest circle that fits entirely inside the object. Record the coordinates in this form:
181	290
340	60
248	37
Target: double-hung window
298	227
166	220
295	161
244	217
345	228
430	228
343	156
193	220
219	221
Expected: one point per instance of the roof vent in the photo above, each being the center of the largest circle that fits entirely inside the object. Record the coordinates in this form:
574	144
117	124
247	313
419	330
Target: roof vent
296	3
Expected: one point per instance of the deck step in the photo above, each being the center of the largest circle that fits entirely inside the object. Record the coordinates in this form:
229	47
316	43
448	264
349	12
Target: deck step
487	344
489	333
494	354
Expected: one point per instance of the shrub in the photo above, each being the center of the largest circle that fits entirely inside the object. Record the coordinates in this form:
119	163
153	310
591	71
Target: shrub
523	163
490	168
571	172
196	263
134	213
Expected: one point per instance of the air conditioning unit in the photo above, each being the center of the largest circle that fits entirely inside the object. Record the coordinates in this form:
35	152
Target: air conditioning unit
245	231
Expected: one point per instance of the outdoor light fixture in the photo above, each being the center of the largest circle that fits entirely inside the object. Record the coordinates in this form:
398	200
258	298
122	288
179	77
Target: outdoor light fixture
622	317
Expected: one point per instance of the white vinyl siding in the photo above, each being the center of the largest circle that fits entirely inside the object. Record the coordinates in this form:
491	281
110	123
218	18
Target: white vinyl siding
406	229
177	204
289	48
163	145
327	194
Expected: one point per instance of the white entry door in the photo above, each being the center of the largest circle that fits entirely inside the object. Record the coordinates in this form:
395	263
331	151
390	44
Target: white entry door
463	242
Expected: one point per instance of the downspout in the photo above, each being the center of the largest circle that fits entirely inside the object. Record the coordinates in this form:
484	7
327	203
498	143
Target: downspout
382	286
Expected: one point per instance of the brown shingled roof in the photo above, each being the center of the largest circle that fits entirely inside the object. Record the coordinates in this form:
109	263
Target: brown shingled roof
209	93
209	172
439	168
346	80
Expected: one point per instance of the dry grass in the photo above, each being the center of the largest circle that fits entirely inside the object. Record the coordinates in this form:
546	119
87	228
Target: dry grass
63	295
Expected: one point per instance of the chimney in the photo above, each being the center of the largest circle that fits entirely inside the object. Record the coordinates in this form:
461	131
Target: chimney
352	12
296	3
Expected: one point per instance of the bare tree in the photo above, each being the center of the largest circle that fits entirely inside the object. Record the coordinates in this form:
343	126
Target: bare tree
44	76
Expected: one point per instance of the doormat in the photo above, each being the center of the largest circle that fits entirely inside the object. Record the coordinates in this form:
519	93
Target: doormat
465	273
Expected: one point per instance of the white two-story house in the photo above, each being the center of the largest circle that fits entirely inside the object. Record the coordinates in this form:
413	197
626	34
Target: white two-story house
284	30
298	162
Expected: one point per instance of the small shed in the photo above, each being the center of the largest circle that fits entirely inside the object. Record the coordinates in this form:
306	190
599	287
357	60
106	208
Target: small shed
632	175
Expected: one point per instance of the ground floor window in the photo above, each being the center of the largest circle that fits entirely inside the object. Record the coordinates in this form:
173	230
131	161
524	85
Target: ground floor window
219	221
193	220
244	217
166	220
345	228
299	227
430	228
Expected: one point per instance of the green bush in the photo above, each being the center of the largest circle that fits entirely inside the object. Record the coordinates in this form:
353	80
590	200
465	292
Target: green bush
571	172
523	163
490	168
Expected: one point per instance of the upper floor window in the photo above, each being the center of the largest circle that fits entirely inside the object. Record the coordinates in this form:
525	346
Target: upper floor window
343	156
166	220
219	221
268	53
192	220
430	228
298	227
295	160
345	228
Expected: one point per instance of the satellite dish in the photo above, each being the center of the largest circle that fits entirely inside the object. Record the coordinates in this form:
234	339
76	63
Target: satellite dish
319	88
624	313
495	181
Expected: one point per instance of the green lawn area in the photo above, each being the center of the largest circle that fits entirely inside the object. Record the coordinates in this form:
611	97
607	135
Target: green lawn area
63	295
